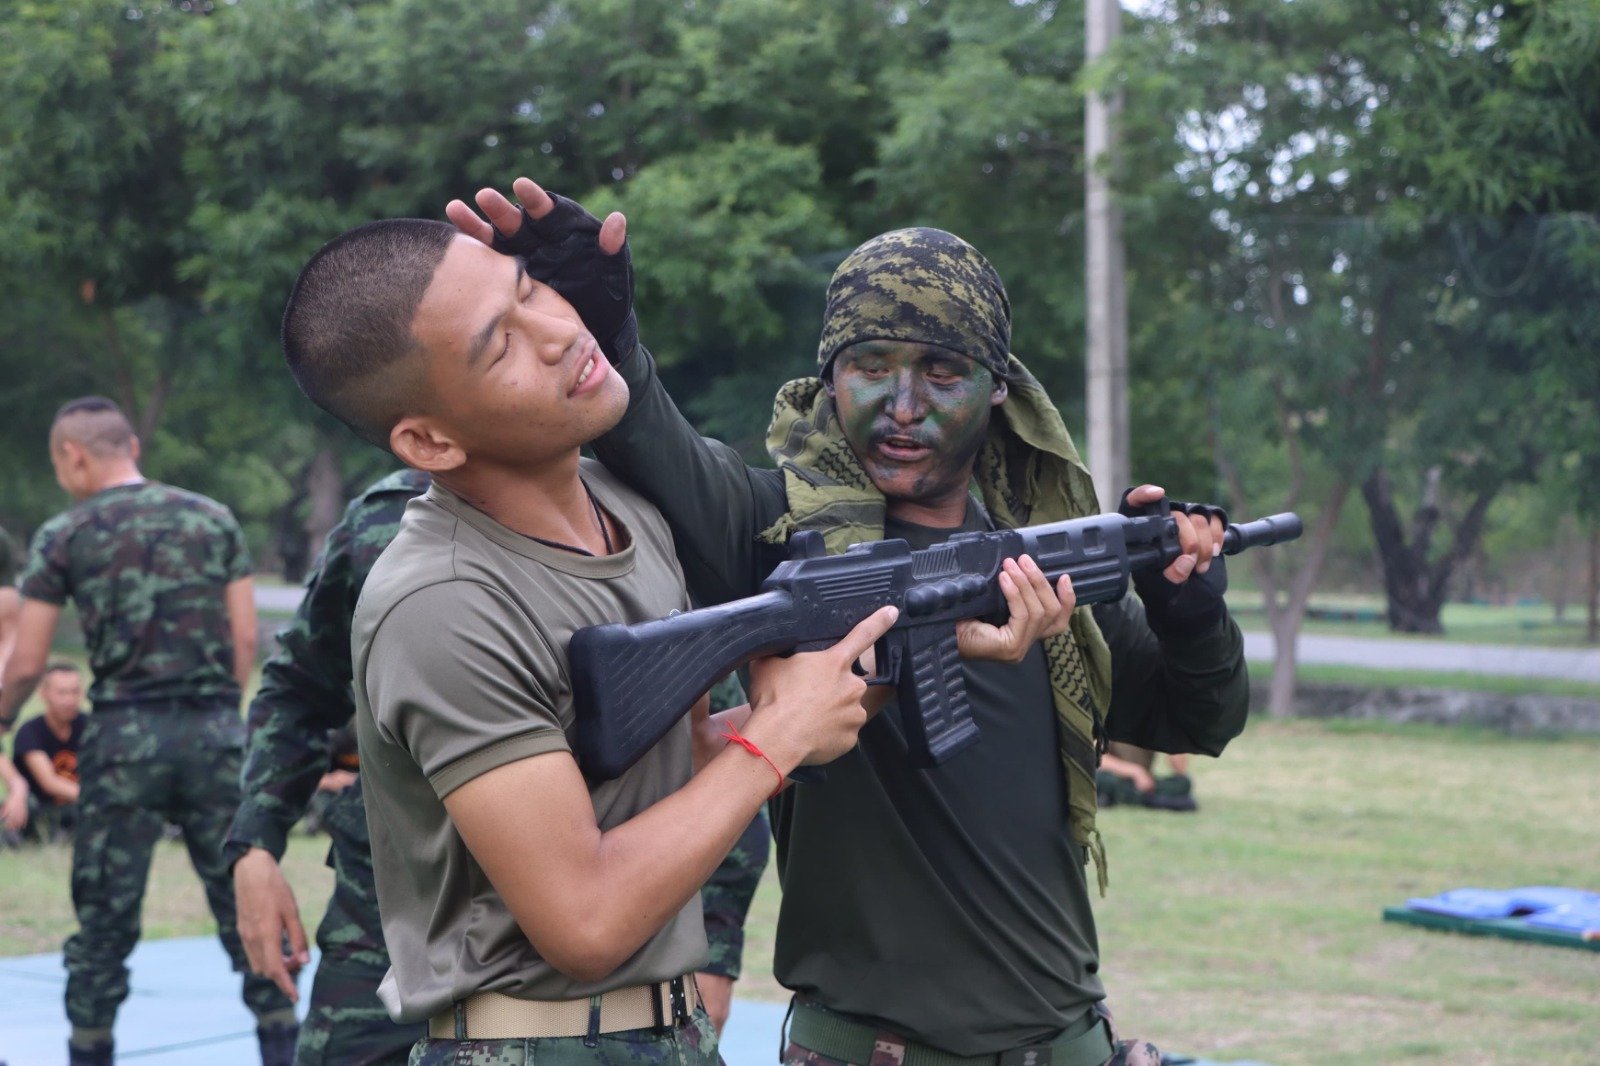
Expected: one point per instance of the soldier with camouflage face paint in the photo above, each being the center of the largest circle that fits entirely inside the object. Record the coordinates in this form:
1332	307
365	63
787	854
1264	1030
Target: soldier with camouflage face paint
933	916
305	692
161	581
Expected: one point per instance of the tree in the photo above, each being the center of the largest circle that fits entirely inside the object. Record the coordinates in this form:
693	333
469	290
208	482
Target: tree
1329	143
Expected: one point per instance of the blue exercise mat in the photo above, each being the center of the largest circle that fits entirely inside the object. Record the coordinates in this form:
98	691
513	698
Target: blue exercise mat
1580	918
1502	902
185	1011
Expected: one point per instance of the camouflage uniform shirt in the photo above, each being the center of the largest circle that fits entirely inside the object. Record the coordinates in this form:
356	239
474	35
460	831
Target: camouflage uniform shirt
305	687
145	565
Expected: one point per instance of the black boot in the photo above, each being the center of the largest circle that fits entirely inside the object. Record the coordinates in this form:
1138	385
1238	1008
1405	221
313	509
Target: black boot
277	1044
96	1055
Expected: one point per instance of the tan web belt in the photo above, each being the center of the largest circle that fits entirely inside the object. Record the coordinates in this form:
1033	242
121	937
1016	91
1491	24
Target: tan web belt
496	1016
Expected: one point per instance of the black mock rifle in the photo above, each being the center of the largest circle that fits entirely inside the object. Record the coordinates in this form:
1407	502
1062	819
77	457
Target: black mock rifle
632	682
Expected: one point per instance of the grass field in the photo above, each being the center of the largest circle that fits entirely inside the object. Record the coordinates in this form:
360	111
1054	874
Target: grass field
1453	680
1251	929
37	914
1248	930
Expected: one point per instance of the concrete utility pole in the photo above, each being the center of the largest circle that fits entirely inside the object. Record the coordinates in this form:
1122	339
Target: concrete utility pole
1105	284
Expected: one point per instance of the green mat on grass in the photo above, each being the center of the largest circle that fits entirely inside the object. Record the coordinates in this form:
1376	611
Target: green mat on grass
1509	928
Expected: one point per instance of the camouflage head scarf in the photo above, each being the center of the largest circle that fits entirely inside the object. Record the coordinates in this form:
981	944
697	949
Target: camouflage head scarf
922	285
931	287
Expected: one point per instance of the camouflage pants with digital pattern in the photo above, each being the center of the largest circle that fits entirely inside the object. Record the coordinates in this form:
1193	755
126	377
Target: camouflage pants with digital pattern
140	768
346	1024
691	1044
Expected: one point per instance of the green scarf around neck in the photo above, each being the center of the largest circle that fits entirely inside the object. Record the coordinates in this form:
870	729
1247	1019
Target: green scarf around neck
1027	473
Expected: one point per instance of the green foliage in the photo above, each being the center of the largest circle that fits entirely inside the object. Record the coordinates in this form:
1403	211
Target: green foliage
715	231
1360	231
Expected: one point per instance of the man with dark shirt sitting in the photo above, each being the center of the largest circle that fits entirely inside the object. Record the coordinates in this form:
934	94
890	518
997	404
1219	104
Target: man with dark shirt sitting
46	754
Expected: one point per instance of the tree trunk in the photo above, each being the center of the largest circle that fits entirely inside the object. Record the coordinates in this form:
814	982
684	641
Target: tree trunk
1285	667
1285	597
1592	630
1414	585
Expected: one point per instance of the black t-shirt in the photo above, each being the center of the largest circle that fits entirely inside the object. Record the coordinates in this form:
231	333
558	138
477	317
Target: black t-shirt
35	735
891	873
948	904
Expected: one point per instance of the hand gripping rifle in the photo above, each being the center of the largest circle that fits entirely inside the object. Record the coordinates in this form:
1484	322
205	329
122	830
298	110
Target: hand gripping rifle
632	682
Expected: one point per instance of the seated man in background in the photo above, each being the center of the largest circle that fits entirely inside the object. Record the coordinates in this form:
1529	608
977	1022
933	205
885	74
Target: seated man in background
1126	776
46	754
336	781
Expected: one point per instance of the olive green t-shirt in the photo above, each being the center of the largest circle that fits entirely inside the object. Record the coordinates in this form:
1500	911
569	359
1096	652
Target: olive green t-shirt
459	645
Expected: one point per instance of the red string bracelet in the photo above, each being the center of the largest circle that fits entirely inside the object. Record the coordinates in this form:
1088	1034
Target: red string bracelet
730	733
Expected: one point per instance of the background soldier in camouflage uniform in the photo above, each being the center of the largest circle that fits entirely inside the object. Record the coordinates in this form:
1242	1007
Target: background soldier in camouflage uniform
305	692
726	897
161	581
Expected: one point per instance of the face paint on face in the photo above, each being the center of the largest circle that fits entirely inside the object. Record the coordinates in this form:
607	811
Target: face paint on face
916	416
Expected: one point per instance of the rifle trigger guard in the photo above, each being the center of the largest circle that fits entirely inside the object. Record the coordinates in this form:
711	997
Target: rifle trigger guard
887	652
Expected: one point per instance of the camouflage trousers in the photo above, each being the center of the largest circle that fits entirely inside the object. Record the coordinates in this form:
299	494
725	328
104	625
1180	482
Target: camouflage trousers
691	1044
346	1024
140	768
1128	1053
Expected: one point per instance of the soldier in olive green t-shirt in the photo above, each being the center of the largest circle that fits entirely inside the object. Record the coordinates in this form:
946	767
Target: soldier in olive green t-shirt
528	912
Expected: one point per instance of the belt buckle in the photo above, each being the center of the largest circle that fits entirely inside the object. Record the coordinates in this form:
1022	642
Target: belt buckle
680	1002
1032	1055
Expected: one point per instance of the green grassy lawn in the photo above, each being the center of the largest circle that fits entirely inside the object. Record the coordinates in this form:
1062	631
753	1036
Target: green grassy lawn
36	915
1457	680
1250	929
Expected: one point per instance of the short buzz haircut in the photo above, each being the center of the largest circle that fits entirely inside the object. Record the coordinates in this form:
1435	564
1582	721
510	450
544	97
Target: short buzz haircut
97	424
347	326
61	666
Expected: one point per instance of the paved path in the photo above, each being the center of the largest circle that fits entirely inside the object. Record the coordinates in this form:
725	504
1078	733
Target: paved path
1403	653
1398	653
278	599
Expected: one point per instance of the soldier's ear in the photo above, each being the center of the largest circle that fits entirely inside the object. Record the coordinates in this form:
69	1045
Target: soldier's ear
1001	391
422	444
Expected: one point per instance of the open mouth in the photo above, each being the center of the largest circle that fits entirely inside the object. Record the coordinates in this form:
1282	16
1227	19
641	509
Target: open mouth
592	372
902	449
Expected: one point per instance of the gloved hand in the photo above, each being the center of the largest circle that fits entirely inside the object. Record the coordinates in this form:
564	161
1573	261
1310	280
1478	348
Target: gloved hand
562	250
1194	605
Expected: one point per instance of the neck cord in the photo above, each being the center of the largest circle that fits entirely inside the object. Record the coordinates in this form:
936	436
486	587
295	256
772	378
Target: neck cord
599	516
